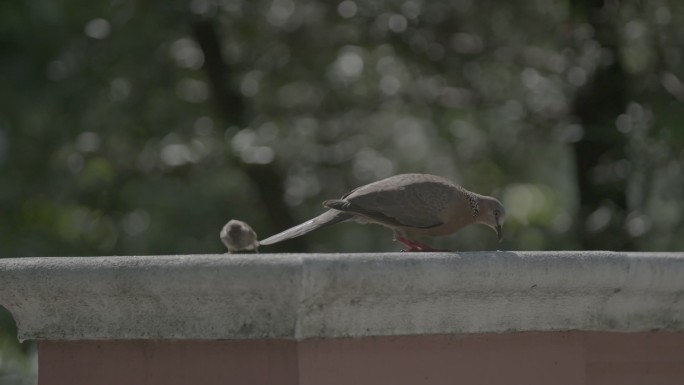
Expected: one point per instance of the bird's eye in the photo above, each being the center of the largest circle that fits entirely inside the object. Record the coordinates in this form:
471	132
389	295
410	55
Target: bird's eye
497	213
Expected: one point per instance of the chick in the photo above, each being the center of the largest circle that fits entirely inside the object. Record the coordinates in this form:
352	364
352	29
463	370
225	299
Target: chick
239	236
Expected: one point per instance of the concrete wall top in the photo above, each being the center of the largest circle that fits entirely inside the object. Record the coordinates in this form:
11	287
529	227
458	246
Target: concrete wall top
299	296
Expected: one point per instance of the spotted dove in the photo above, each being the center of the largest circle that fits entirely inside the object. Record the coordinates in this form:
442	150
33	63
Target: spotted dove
411	205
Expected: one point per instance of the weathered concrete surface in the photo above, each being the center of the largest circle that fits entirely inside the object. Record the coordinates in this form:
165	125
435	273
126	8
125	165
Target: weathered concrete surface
300	296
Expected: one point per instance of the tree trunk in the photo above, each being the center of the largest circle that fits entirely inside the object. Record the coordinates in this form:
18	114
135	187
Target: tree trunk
232	108
603	200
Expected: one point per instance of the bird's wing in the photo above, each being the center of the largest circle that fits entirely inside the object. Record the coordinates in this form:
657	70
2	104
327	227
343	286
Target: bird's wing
409	203
380	216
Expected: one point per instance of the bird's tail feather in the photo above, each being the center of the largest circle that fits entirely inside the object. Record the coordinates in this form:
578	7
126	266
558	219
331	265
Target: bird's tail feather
328	218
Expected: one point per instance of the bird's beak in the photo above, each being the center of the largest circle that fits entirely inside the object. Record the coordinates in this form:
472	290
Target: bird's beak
499	232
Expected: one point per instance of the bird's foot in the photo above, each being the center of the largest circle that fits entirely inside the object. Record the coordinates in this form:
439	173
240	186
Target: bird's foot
415	245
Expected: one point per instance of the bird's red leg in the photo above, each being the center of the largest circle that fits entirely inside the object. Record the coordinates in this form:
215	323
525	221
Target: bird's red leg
411	245
415	245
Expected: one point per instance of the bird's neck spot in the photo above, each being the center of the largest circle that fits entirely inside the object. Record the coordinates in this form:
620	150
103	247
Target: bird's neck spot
473	202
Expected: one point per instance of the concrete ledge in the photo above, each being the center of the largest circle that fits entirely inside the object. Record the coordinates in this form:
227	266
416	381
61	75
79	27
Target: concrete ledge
300	296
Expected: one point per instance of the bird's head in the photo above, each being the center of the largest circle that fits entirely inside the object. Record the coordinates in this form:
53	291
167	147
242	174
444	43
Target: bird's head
233	229
493	214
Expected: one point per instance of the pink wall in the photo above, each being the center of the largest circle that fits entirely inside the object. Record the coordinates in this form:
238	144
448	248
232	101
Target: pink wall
558	358
143	362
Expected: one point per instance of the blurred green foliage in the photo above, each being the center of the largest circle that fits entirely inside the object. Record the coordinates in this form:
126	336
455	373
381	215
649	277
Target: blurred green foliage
142	127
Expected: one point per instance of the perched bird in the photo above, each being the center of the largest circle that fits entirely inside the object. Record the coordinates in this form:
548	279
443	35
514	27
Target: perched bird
411	205
239	236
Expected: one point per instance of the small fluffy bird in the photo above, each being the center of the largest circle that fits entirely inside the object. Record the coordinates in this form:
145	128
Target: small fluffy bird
411	205
239	236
